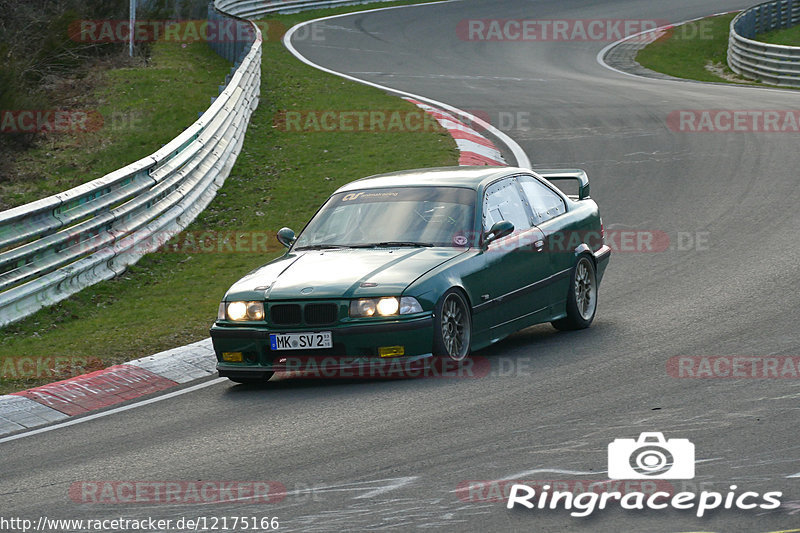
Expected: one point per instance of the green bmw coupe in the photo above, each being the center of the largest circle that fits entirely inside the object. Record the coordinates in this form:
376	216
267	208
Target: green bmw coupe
420	263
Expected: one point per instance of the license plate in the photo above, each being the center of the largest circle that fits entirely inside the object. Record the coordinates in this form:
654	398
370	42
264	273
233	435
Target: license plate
301	341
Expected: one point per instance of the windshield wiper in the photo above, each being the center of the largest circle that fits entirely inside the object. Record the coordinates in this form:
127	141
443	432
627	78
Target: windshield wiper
321	247
395	243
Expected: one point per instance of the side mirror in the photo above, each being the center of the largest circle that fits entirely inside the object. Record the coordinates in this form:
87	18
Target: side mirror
498	231
286	237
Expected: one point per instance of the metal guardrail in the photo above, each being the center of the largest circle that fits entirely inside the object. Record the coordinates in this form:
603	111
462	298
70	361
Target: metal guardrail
54	247
771	63
255	8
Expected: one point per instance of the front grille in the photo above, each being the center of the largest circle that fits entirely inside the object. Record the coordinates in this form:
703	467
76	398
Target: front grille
285	314
320	314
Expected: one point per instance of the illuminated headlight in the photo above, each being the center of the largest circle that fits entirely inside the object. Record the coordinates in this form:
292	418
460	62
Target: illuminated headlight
239	311
389	306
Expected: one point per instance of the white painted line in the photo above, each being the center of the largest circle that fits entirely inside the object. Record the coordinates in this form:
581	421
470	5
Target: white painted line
431	109
601	54
116	410
601	59
370	489
181	365
519	154
385	485
524	475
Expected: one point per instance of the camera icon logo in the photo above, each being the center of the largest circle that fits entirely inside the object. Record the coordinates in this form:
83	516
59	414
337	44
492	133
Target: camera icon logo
651	457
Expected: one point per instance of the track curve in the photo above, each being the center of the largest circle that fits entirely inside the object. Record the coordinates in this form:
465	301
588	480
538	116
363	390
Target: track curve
380	455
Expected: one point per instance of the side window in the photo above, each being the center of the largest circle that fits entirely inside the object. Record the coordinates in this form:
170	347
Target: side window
503	202
545	203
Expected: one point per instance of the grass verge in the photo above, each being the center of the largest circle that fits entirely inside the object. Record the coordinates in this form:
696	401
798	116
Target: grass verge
132	112
786	37
697	51
280	178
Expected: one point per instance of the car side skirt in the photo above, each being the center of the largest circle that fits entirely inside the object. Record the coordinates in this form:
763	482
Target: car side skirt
522	291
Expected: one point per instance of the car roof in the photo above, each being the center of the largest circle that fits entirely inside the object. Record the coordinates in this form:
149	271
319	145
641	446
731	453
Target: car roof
467	176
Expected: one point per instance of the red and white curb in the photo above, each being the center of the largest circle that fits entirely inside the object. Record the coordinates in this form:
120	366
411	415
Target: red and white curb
113	385
475	148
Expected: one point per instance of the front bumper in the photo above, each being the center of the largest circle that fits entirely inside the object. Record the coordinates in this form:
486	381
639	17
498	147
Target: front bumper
353	345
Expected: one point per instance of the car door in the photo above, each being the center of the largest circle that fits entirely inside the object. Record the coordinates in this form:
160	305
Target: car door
511	265
547	207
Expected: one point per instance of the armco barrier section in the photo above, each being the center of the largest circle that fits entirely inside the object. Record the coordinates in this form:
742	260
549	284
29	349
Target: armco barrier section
54	247
255	8
771	63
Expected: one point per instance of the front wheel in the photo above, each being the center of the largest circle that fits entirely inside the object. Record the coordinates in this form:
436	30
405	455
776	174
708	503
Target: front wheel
452	326
581	298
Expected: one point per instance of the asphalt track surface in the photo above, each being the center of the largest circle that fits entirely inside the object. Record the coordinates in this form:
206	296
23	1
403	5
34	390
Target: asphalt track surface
358	455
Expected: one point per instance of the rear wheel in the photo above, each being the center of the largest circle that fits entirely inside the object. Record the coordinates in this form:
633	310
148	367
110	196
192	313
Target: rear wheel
452	326
581	298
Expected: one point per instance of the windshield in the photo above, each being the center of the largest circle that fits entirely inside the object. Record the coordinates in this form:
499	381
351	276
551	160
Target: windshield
404	216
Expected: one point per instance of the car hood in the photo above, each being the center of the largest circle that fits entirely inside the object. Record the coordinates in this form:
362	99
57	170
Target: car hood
346	273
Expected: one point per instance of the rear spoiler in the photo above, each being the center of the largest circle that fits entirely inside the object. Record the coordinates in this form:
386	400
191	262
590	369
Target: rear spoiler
568	174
